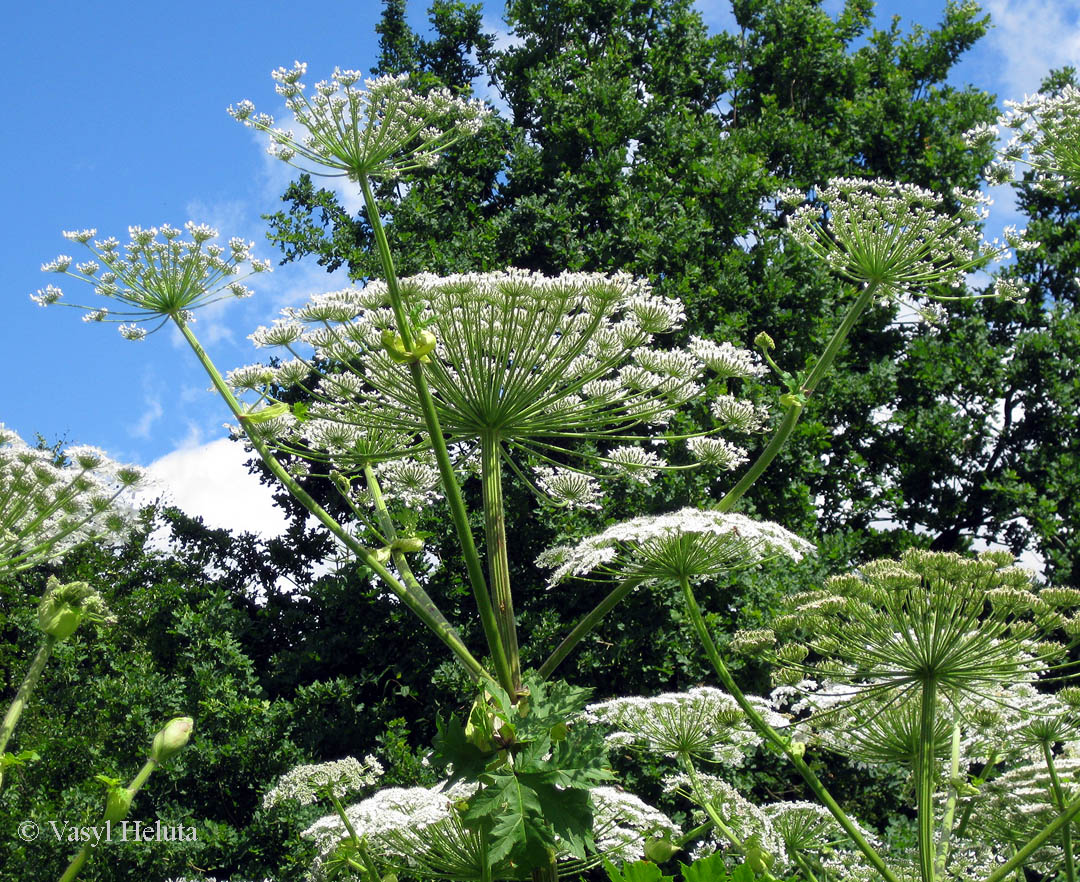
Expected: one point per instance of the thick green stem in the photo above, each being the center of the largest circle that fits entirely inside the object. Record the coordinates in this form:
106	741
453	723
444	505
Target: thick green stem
22	697
988	772
549	872
794	411
386	524
586	625
83	854
458	513
498	562
950	803
415	598
1059	801
1036	842
925	775
779	741
702	800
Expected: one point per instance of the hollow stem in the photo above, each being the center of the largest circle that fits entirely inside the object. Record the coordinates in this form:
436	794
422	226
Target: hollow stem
925	773
498	562
777	740
416	599
794	411
950	803
458	513
22	697
1059	801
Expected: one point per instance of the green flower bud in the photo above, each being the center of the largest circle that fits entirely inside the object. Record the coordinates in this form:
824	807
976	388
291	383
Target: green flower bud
764	341
118	804
757	858
267	413
64	607
171	739
660	849
409	543
798	749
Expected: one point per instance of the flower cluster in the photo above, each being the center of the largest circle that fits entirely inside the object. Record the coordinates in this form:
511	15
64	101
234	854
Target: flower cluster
418	831
898	236
1045	136
157	276
64	607
533	363
702	723
50	503
964	624
688	544
308	783
382	130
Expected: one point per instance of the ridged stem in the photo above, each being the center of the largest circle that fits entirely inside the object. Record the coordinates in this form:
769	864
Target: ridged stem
1059	801
416	599
777	740
498	561
925	773
458	513
22	697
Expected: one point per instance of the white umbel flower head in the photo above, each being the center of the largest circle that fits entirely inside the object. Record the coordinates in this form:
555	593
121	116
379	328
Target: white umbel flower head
1045	137
309	783
898	236
157	276
382	130
703	723
688	544
50	504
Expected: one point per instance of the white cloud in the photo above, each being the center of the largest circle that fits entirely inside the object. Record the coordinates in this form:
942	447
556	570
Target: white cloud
211	481
1030	37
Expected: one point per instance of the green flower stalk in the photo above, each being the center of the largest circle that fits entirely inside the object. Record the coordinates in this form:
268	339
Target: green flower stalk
61	610
172	738
164	280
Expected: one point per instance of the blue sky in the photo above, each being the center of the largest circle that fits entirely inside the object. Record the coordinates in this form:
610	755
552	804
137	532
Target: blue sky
120	108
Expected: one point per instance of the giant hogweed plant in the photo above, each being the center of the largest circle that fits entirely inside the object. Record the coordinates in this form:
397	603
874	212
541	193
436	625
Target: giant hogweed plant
567	385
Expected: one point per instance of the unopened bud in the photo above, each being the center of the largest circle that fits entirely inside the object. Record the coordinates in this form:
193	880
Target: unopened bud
660	849
409	543
64	607
171	739
764	341
118	804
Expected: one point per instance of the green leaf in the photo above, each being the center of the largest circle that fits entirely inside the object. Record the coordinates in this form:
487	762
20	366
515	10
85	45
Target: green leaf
640	871
18	759
709	869
512	814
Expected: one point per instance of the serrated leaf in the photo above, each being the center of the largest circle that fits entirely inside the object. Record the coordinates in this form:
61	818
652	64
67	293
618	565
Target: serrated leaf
709	869
570	814
639	871
743	873
512	814
453	747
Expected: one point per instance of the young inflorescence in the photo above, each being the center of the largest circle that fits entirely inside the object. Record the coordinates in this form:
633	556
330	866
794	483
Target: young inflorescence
1045	137
307	784
703	723
965	625
688	544
157	276
535	364
420	832
899	237
382	130
50	503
